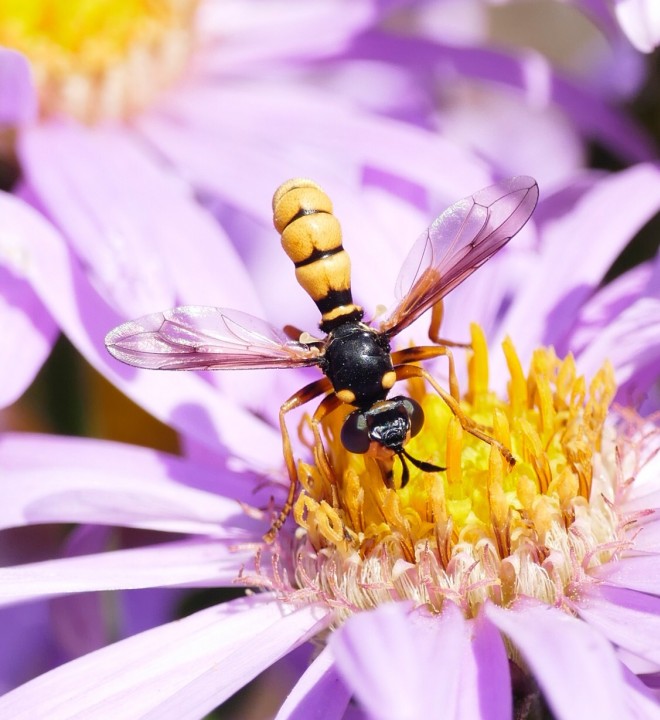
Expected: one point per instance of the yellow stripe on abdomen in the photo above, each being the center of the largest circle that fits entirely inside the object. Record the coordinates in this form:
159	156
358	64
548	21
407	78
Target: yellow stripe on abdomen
311	237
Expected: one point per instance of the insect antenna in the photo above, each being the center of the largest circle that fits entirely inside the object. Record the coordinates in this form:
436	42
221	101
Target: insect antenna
421	464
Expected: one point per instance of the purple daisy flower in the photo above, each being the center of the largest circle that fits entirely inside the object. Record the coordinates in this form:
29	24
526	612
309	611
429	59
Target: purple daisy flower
543	573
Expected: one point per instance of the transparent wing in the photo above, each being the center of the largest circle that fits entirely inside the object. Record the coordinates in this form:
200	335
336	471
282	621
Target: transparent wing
466	235
194	337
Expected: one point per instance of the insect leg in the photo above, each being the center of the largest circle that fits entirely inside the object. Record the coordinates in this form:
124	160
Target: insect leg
437	313
404	372
328	404
292	332
427	352
304	395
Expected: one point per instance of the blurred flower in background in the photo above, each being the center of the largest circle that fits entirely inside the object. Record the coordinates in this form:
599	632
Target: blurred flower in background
141	148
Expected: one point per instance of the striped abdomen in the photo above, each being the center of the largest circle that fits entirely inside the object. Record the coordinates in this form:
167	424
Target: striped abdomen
311	237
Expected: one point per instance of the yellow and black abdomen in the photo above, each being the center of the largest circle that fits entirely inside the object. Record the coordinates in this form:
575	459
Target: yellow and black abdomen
311	237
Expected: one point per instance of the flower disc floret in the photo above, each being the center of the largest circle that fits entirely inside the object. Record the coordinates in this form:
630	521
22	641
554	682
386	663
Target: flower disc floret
482	529
98	59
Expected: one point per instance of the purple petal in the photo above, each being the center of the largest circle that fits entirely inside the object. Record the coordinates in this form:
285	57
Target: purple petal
34	452
644	493
18	102
485	691
640	21
329	141
197	115
28	647
575	667
637	572
630	342
253	32
576	268
648	537
28	333
527	72
146	240
185	400
382	651
628	619
320	692
641	701
81	621
185	562
76	480
608	303
635	663
175	672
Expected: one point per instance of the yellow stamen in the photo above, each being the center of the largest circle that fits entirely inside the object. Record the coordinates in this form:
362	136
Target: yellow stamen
518	384
477	364
97	59
482	528
454	451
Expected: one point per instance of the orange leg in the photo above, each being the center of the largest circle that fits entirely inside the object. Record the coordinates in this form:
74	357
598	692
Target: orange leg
304	395
434	328
427	352
404	372
292	332
329	404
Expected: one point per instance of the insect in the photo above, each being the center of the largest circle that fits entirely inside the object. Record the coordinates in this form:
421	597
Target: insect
355	357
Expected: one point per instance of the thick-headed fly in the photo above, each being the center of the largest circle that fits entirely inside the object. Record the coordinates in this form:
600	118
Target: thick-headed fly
355	357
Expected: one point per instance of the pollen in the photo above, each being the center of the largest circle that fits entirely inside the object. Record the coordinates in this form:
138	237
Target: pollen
99	59
484	528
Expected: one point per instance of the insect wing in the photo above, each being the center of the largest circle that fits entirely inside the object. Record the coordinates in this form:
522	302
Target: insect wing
194	337
464	237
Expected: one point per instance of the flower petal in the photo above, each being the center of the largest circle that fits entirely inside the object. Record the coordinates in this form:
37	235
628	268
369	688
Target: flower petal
120	485
582	264
249	32
636	572
383	651
178	671
640	20
184	562
575	666
329	141
143	258
185	400
627	618
319	687
608	303
18	102
485	691
28	333
524	71
648	537
644	493
630	342
642	702
27	451
27	647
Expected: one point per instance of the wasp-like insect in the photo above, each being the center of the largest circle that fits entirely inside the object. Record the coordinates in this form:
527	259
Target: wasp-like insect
359	367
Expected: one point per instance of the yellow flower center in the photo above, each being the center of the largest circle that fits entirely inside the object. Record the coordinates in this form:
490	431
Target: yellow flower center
95	59
481	529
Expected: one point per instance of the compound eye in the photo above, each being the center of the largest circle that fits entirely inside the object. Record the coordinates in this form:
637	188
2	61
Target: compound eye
355	433
416	415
